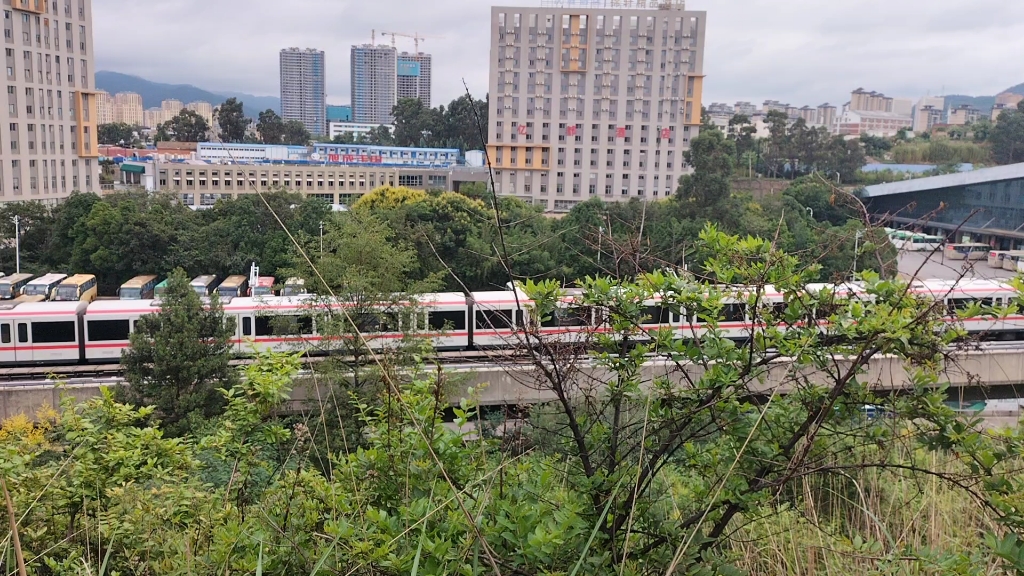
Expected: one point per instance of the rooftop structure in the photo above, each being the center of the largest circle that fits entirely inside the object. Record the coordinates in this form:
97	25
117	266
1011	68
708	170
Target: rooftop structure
384	155
988	201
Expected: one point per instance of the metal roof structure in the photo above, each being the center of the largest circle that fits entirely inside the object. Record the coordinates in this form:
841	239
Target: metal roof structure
981	176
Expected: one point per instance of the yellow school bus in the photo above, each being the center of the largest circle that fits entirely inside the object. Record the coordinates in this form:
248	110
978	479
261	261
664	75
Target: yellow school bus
80	287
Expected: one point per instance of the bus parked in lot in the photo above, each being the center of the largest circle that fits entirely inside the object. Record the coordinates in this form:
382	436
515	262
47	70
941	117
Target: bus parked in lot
923	243
41	289
294	287
264	286
1010	260
138	288
80	287
11	286
995	258
160	289
234	287
969	251
204	285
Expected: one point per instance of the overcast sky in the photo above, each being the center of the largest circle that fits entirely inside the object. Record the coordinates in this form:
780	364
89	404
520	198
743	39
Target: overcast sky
797	51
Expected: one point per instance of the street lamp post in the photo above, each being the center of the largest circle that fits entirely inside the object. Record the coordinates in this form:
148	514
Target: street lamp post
17	243
856	250
321	238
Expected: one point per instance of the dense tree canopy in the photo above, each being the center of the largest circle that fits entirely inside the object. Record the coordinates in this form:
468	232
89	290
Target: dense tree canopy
116	134
454	126
187	126
232	121
179	357
1007	137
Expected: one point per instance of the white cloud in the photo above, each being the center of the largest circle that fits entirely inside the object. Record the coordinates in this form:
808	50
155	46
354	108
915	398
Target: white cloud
798	51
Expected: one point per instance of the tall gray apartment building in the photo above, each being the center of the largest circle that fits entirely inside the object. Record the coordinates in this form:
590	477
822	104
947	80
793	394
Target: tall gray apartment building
303	89
593	98
381	76
374	84
48	147
414	72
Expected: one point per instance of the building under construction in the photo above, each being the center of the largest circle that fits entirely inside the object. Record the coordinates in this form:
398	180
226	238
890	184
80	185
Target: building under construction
381	75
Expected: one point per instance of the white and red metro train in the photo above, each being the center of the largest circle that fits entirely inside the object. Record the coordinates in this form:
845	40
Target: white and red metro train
97	332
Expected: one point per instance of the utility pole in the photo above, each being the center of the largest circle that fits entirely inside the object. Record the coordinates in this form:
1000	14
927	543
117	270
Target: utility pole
856	249
17	243
321	239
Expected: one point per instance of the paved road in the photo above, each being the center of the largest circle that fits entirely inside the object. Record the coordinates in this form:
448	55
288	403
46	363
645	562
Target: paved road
932	266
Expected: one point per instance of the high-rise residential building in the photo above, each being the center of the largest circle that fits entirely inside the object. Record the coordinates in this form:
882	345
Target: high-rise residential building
303	88
204	109
128	108
596	101
962	115
928	112
105	108
414	72
374	84
827	116
863	101
745	108
49	146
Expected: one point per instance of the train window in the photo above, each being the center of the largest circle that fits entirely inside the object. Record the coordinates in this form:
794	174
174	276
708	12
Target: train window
579	316
52	332
107	330
247	326
292	325
654	315
376	323
733	312
23	333
263	327
954	305
5	333
447	320
497	319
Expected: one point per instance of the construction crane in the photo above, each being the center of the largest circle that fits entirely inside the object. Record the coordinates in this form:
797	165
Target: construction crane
416	37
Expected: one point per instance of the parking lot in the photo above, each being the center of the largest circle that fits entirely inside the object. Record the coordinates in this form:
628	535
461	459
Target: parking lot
934	266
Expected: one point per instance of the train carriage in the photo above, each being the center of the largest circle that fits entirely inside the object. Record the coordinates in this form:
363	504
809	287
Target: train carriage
499	318
32	332
108	325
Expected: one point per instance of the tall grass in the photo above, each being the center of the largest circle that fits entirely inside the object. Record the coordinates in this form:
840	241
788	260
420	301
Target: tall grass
940	152
868	521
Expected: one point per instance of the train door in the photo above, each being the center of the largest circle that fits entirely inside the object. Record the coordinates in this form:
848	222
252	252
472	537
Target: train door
8	347
22	342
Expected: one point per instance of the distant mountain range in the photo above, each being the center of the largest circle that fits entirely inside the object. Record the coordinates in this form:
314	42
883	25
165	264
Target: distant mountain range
983	103
155	92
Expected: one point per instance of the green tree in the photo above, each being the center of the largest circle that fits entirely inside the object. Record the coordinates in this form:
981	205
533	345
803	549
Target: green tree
344	138
1007	137
179	358
270	127
415	124
187	126
875	146
232	120
712	158
459	124
379	136
116	133
294	133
